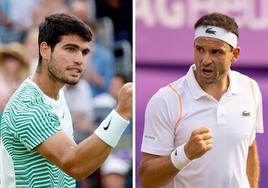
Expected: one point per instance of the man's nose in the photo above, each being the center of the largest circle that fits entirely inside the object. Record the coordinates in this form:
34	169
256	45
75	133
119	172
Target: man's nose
79	58
206	59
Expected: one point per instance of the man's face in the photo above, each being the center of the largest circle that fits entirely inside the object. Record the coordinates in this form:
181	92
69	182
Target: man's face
67	61
12	64
212	59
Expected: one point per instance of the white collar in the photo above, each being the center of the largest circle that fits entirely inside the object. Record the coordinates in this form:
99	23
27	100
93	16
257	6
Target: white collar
197	92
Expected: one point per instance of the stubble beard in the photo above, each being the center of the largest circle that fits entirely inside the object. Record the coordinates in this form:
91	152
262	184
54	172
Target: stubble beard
56	75
214	78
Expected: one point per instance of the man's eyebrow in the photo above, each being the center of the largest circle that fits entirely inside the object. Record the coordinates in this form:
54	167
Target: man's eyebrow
197	46
71	45
76	46
214	48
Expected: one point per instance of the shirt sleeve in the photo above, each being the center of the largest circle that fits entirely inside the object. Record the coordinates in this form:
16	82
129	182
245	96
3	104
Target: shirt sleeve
36	125
258	127
159	129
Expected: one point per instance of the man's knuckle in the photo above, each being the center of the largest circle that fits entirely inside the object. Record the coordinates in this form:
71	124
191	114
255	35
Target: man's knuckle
198	138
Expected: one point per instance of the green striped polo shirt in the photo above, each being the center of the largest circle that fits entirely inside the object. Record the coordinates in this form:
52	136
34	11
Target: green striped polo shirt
30	118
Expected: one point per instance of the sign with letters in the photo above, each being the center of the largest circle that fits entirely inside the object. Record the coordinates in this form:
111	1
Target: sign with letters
165	29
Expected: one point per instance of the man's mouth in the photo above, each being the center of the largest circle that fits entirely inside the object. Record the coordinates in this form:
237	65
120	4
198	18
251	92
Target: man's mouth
207	72
75	71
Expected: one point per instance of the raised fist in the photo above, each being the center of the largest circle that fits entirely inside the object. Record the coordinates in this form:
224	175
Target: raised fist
199	143
124	106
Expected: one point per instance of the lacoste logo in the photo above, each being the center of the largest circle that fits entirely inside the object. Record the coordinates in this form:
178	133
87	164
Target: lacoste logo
106	128
245	113
210	31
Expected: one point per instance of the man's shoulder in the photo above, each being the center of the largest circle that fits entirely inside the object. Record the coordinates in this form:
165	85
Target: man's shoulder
26	93
169	92
27	100
239	75
243	78
177	86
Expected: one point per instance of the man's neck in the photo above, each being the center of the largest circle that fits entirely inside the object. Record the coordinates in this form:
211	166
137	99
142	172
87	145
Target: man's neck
49	86
216	90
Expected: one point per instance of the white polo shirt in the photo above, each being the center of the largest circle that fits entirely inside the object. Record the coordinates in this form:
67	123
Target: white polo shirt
234	121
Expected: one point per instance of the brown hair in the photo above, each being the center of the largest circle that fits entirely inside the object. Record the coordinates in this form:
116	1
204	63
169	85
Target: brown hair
55	26
219	20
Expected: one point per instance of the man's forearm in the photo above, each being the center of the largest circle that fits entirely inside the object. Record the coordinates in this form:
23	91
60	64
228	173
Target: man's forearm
83	159
156	172
253	170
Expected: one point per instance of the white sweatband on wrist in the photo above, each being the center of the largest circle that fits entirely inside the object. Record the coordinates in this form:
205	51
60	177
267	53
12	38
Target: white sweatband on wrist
111	128
218	33
179	158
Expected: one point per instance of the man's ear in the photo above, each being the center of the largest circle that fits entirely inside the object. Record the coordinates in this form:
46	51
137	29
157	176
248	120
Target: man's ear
45	51
236	53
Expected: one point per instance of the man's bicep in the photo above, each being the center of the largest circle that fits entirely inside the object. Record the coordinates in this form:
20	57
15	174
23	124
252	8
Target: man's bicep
253	146
148	156
56	148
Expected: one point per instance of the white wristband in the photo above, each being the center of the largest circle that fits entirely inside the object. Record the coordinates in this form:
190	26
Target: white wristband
179	158
111	128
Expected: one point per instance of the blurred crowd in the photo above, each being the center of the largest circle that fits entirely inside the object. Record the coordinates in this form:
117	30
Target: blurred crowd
109	66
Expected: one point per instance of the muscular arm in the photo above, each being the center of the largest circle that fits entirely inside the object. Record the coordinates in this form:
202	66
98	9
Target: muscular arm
156	171
253	166
79	161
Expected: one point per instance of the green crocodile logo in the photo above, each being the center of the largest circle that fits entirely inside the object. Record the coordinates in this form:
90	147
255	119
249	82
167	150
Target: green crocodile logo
245	113
210	31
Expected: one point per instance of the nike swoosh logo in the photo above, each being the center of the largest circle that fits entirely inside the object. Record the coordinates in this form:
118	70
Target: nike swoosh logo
106	128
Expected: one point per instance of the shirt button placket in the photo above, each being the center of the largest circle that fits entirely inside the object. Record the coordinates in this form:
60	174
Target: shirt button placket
221	114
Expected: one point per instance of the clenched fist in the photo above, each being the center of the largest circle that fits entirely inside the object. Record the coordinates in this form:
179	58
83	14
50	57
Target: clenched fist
199	143
124	106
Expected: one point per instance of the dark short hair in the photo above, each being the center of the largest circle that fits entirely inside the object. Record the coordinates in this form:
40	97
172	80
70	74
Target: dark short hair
219	20
55	26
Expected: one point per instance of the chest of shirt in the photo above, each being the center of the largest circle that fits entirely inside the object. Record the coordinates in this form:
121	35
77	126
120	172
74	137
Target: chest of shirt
231	118
64	116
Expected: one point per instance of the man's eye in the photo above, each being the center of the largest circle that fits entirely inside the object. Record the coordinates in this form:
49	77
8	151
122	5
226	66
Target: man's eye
200	49
70	49
217	52
85	53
